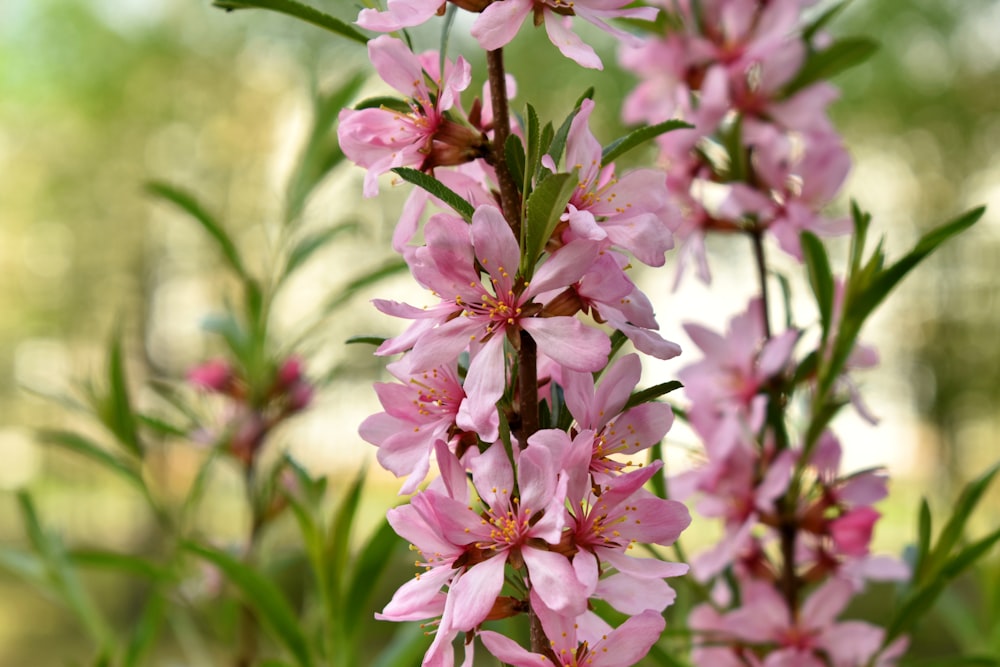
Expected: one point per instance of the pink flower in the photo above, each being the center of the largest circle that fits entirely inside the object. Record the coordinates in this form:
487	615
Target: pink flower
572	645
629	212
725	386
764	618
501	20
382	139
419	410
598	407
399	14
479	315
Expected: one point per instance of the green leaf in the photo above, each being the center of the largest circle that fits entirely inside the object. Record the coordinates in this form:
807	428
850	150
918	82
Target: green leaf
346	293
89	449
65	582
969	555
190	205
449	22
145	632
298	10
162	427
25	565
270	605
110	560
651	394
513	151
923	539
558	143
366	340
839	56
115	408
545	206
438	189
338	539
637	137
369	565
953	530
861	306
820	278
658	481
384	101
534	149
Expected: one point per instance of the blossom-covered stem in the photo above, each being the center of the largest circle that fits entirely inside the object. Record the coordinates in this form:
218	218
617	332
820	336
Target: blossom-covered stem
757	236
509	196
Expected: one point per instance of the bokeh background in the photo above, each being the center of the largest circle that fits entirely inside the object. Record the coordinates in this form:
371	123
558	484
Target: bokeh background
99	96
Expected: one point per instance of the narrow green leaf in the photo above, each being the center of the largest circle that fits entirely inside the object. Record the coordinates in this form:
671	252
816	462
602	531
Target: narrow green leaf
89	449
146	631
658	481
369	566
558	143
834	59
862	221
299	11
390	268
366	340
953	530
866	302
637	137
270	605
190	205
120	418
162	427
447	25
924	527
651	394
25	565
969	555
119	562
386	102
513	151
338	539
438	189
545	206
533	153
820	278
63	577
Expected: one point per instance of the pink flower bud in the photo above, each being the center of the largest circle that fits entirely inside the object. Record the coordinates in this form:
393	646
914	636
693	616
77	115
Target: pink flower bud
852	531
290	373
215	375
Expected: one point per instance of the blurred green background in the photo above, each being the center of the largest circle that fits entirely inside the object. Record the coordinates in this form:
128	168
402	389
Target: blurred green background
99	96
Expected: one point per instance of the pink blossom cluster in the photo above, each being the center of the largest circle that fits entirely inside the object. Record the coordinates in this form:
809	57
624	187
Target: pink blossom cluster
539	521
791	519
762	155
251	412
